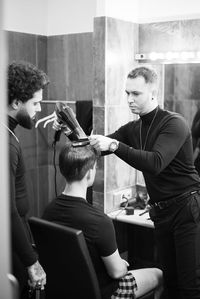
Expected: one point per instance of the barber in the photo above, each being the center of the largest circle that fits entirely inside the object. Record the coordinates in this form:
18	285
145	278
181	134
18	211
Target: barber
159	144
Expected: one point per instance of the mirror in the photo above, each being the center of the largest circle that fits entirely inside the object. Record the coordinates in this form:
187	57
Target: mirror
182	89
181	93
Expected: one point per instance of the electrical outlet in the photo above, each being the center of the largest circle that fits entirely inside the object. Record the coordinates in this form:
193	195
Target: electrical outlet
121	196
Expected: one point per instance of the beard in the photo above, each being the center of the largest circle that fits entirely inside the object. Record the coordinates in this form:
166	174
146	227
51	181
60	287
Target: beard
24	119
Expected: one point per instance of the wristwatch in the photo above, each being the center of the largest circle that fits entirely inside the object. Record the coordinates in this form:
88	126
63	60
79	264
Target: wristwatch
113	145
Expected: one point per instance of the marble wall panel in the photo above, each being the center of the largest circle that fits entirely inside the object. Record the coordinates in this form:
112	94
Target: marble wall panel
99	51
121	46
117	116
119	174
182	35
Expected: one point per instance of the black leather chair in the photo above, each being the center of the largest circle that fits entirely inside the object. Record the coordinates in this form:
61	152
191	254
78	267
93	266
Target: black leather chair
65	258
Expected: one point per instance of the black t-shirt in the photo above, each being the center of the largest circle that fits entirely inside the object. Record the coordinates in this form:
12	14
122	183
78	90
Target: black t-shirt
97	228
167	160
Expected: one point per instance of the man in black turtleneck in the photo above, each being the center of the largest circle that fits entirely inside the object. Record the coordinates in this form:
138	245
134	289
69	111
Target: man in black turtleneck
159	144
25	88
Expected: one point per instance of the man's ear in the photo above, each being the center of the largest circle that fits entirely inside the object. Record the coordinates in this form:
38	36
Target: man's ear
15	104
88	174
154	93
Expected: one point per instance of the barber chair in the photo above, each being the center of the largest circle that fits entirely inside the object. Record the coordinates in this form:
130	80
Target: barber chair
65	258
64	255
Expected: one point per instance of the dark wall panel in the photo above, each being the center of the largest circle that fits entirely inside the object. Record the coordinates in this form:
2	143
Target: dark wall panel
33	48
70	67
21	46
68	61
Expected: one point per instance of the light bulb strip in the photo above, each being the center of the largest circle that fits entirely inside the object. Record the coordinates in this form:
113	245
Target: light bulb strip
183	56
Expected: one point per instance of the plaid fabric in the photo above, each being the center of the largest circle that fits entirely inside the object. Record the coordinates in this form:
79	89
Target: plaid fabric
127	285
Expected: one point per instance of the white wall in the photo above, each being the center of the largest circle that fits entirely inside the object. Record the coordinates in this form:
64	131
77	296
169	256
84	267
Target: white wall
5	287
120	9
70	16
53	17
167	10
29	16
144	11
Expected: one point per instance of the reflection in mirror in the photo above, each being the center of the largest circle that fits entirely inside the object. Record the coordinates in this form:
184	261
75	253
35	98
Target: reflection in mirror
181	93
182	89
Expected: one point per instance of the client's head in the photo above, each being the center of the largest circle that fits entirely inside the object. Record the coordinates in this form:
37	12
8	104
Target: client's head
77	163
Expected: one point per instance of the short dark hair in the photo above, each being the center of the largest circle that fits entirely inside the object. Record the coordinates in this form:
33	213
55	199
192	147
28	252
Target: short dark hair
74	162
24	79
149	75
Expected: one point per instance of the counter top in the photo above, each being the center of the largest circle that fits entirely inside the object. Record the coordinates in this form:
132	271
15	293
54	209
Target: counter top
143	220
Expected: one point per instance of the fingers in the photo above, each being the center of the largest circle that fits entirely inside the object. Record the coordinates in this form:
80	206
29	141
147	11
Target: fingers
37	275
40	284
56	125
99	142
93	141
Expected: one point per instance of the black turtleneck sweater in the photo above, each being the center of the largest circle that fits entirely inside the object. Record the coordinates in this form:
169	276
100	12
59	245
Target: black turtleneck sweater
20	233
167	159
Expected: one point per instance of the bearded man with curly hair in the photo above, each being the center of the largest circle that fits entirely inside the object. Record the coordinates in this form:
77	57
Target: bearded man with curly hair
25	91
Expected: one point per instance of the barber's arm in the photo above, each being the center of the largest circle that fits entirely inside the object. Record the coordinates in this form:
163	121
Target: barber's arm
115	265
174	133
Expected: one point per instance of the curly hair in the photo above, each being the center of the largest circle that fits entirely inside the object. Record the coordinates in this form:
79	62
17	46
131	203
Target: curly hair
24	79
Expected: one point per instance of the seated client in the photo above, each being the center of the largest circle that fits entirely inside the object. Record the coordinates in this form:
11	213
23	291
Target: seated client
78	166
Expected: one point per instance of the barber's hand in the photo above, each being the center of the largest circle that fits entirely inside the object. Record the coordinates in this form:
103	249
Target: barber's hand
37	276
100	143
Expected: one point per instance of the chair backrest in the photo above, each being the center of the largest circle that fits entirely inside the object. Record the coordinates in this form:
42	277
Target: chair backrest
64	255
